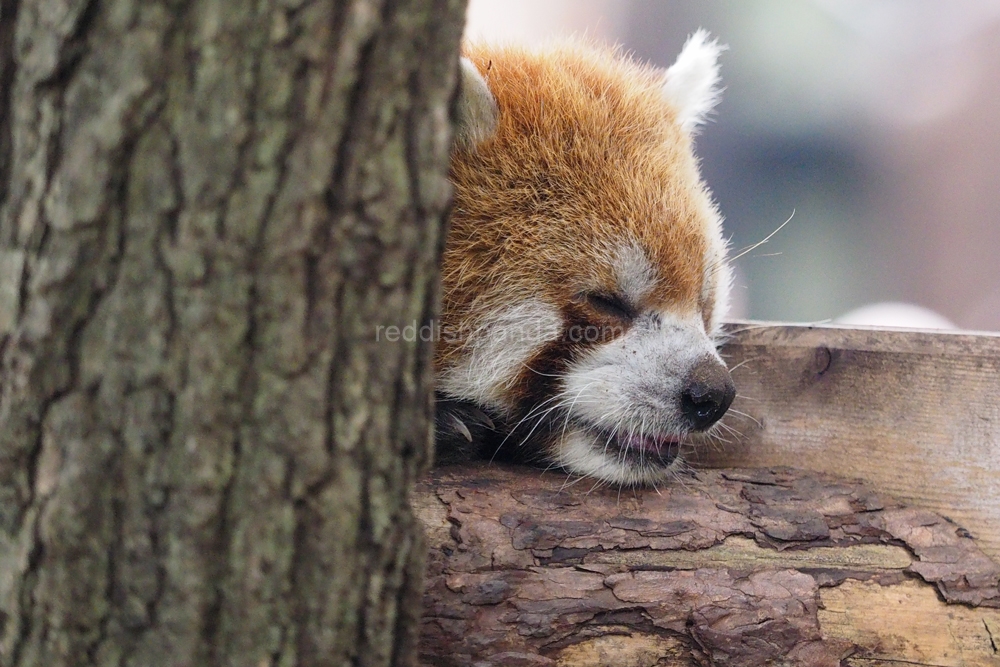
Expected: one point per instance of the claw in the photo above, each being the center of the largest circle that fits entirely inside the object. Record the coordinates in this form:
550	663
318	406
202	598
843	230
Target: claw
483	417
461	427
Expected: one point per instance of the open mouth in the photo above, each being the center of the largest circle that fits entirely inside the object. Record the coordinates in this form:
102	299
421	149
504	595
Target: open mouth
640	448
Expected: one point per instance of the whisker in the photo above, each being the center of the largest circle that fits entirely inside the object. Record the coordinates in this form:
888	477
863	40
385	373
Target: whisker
546	375
717	439
578	479
746	416
732	431
763	241
534	411
753	326
745	361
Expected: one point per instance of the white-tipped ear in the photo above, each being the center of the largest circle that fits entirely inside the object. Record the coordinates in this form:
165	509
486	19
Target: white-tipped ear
691	83
477	108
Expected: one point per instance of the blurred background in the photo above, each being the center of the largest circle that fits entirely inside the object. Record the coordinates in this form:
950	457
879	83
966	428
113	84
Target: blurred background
876	121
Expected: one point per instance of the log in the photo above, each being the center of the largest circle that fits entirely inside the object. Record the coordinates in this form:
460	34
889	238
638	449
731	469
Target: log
721	567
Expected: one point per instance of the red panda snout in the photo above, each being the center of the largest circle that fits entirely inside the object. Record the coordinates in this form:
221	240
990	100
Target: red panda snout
631	403
708	393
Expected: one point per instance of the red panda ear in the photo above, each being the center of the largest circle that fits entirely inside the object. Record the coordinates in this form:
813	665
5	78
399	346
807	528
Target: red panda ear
477	108
691	83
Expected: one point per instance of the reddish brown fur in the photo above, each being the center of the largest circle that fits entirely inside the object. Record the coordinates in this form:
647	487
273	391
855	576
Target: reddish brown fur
586	156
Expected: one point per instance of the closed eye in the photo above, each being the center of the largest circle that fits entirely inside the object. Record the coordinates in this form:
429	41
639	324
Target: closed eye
612	305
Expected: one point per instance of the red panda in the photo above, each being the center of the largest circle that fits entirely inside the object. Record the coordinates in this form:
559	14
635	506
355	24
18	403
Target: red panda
584	272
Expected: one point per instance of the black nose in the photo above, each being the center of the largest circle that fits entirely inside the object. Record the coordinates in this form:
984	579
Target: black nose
708	394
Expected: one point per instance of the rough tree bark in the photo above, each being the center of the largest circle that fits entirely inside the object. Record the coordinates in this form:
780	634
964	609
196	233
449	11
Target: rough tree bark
207	206
726	567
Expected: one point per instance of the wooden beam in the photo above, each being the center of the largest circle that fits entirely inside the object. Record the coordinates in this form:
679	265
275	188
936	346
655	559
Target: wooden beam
914	414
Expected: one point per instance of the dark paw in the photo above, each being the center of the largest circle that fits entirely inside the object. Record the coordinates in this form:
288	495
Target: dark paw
462	431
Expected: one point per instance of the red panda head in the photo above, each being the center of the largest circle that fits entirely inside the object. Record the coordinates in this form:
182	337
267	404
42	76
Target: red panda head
584	271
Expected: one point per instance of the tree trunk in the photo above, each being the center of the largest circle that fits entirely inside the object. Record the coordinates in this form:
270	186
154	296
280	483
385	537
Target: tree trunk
207	208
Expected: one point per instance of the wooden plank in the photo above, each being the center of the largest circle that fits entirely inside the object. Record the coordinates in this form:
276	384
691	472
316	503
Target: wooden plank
915	414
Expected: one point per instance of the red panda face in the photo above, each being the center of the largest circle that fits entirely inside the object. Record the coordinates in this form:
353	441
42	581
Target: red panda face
584	271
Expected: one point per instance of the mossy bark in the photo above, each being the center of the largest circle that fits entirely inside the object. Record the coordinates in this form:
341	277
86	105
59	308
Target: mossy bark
206	207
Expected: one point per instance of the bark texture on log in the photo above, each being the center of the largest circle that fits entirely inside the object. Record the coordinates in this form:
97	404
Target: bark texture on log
723	567
207	206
